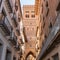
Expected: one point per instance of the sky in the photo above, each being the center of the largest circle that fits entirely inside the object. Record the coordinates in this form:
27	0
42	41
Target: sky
27	2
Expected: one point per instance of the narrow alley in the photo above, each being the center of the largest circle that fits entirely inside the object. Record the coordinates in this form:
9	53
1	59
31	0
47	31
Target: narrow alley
29	29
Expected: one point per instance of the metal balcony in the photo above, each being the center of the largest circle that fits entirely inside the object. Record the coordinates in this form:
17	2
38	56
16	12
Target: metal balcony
14	19
5	26
51	36
8	4
13	38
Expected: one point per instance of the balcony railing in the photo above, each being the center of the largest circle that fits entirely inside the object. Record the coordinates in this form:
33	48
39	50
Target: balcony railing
13	16
5	26
52	34
13	38
18	30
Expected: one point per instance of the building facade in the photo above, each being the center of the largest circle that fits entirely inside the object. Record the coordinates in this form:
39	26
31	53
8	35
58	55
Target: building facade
10	34
40	36
50	29
30	23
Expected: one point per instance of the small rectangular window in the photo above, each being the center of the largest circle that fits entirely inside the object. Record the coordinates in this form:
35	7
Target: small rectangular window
27	16
47	12
14	58
27	11
33	11
46	3
33	16
50	26
45	36
58	7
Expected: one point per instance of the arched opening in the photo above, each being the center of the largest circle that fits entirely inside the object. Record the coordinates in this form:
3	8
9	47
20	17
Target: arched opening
30	56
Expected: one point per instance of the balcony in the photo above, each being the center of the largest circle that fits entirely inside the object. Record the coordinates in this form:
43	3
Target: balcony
13	17
5	26
18	30
51	36
13	38
8	4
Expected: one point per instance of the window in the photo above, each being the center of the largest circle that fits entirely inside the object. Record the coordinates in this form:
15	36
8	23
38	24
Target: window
56	57
8	55
58	7
27	16
14	58
47	8
27	11
45	36
50	26
33	16
48	59
47	11
46	3
33	11
43	24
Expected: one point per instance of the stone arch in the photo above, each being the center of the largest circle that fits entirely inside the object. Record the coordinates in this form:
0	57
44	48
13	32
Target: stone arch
30	53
